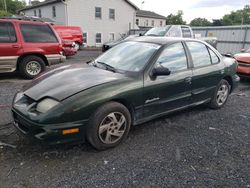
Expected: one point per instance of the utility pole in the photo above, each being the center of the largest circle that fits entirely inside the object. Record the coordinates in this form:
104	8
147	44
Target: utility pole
5	5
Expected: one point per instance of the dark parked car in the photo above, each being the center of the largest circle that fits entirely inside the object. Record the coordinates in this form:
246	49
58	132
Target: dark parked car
132	83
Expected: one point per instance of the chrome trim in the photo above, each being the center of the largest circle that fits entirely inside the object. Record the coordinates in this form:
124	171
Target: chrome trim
55	58
244	64
8	63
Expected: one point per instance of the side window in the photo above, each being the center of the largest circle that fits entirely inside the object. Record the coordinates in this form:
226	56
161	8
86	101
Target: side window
173	57
174	31
214	57
186	33
199	54
98	38
98	12
85	37
7	33
38	33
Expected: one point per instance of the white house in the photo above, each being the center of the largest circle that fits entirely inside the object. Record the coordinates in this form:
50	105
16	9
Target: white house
149	19
100	20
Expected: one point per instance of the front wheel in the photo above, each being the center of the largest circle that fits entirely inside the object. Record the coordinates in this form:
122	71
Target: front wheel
221	95
109	126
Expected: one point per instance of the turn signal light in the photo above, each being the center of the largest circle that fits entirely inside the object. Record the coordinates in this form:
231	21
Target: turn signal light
71	131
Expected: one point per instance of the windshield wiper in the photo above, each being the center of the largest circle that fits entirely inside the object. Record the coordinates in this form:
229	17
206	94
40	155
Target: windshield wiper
107	67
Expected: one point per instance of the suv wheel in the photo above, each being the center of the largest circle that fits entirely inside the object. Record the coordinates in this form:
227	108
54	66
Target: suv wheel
109	126
31	66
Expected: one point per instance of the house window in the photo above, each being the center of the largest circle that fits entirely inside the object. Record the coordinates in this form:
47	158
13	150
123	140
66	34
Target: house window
111	36
98	38
98	12
85	37
146	23
112	14
137	21
160	23
54	11
39	13
153	23
35	13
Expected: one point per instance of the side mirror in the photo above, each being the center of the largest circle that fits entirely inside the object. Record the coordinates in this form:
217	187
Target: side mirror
160	71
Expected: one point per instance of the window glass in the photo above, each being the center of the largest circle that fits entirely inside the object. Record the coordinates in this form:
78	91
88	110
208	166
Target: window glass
123	56
186	33
146	23
214	57
111	36
98	38
173	57
85	38
7	32
174	31
54	11
160	23
37	33
199	54
35	13
40	13
153	23
112	14
137	21
98	12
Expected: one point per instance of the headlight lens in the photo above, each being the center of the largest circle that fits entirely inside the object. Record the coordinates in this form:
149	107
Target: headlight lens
45	105
18	96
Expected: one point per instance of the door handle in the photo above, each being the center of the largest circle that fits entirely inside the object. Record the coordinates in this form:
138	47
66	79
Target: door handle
188	80
15	46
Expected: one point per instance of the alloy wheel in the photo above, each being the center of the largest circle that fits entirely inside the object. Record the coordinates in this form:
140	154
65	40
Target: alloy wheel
33	68
112	128
222	94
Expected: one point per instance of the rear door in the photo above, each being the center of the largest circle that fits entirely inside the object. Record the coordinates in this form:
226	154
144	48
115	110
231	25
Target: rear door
207	71
40	38
9	47
165	93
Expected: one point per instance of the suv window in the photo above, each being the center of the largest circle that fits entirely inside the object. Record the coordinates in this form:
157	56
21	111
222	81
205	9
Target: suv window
173	57
199	54
7	33
186	33
214	57
38	33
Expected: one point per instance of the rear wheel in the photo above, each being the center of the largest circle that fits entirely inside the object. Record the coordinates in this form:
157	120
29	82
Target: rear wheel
31	66
221	95
109	126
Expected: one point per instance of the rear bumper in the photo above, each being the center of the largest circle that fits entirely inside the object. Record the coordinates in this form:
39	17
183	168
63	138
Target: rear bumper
52	133
55	59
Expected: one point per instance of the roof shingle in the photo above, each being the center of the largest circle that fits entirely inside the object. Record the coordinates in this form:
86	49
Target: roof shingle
149	14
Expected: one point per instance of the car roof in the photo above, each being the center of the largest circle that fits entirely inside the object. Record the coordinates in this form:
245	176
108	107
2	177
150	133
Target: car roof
161	40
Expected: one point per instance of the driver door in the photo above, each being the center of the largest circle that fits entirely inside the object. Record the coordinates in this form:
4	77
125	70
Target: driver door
166	93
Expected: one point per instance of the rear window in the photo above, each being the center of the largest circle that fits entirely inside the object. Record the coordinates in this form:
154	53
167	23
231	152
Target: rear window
186	33
38	33
7	33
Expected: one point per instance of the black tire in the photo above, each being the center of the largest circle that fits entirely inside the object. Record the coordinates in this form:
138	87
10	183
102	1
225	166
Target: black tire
93	129
25	61
214	104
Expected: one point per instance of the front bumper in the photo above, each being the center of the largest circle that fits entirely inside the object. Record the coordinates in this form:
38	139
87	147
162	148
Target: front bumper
52	133
243	69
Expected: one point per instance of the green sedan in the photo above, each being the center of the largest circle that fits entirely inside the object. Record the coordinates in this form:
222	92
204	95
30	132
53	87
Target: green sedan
132	83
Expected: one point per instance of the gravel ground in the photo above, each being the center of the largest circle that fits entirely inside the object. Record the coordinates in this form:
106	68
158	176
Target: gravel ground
198	147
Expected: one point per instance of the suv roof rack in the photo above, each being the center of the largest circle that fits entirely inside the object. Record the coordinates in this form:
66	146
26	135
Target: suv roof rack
22	18
28	18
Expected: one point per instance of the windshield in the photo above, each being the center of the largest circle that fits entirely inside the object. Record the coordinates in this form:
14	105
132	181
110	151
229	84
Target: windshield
157	31
129	56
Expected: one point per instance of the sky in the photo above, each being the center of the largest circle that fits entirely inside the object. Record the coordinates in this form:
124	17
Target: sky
210	9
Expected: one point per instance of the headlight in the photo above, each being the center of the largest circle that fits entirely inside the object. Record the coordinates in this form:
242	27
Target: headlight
46	104
73	44
18	96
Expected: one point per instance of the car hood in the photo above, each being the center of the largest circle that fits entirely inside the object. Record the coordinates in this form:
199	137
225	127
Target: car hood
67	80
243	57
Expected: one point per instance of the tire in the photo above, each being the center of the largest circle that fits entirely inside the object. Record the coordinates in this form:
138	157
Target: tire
103	132
221	95
77	46
26	69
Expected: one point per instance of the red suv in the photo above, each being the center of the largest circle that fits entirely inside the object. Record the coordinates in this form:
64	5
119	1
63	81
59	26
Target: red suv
28	47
